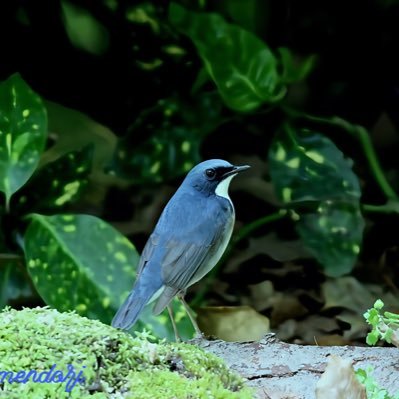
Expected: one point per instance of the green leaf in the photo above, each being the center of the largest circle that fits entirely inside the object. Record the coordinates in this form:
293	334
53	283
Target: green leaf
390	315
73	130
312	177
333	234
56	185
378	304
174	130
243	67
373	391
252	15
157	158
23	133
84	31
307	166
388	336
372	337
295	70
15	287
372	316
79	262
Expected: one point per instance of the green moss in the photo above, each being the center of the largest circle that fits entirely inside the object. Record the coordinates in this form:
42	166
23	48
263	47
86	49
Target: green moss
114	364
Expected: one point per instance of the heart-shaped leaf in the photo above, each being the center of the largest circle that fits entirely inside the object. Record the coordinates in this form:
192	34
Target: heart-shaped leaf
23	133
242	66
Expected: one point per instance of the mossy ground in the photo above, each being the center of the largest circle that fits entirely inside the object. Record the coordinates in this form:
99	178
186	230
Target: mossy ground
115	365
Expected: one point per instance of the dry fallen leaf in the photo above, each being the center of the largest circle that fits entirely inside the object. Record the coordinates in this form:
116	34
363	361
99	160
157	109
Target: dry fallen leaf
307	330
357	329
235	323
262	295
285	307
348	293
339	381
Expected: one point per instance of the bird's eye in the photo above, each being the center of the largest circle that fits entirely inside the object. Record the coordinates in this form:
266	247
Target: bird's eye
210	173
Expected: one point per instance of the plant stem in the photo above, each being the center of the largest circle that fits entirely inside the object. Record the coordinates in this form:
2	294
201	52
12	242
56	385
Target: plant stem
243	233
375	166
390	207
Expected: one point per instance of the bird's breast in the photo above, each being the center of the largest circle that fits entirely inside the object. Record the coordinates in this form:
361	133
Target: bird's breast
218	248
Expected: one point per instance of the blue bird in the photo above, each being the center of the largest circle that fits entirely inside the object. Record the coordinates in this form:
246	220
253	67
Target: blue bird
190	237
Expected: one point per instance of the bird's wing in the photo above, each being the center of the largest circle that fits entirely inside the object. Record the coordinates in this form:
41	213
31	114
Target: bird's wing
182	261
147	253
180	264
183	237
173	250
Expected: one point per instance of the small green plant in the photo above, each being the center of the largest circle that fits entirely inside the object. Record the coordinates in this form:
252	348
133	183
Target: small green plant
385	325
366	378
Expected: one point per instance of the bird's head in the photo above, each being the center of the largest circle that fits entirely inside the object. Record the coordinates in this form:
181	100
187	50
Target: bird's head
213	176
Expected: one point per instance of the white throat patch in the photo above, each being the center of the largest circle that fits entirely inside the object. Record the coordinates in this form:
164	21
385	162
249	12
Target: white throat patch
222	189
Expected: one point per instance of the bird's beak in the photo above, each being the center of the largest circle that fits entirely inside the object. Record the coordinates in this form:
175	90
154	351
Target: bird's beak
236	169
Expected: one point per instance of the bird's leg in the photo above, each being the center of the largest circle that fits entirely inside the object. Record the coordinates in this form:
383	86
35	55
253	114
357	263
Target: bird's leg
187	308
170	311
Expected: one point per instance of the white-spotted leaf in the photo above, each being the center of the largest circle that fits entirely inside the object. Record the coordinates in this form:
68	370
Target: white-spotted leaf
56	185
333	233
79	262
23	133
174	131
307	166
312	177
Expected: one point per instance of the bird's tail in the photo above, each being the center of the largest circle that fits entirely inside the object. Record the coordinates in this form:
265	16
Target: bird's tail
130	310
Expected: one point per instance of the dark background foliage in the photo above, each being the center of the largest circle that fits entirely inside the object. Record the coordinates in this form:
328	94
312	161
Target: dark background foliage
124	65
